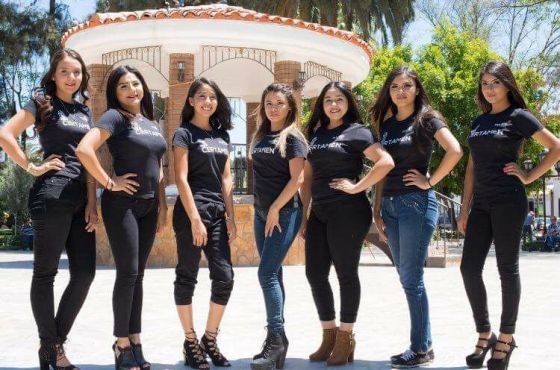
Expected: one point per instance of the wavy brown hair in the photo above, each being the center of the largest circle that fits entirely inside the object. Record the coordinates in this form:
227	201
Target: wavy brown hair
423	110
291	125
503	73
44	99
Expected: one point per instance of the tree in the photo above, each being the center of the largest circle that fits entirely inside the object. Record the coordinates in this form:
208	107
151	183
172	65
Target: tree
364	17
14	186
449	68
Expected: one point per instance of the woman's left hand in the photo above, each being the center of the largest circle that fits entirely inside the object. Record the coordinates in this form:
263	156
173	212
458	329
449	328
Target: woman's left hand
513	169
161	220
415	178
344	185
231	230
272	221
91	217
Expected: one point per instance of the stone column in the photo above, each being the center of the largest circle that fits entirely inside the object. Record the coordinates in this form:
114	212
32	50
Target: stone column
98	104
287	71
179	82
251	128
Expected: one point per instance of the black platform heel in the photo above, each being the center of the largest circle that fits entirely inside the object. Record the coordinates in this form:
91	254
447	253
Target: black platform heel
210	347
139	356
192	352
49	353
125	360
475	360
501	363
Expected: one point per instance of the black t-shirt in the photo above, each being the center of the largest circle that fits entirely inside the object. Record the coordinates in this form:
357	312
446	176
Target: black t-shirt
208	153
65	128
494	140
337	153
137	146
400	139
272	171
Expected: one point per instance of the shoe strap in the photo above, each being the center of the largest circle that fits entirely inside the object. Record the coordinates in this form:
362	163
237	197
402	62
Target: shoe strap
507	343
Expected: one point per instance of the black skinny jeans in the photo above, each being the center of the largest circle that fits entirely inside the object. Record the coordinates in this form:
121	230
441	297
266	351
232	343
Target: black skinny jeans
131	225
501	221
217	253
57	209
335	234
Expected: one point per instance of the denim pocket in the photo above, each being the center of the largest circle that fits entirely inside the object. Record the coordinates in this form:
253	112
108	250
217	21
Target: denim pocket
417	201
46	190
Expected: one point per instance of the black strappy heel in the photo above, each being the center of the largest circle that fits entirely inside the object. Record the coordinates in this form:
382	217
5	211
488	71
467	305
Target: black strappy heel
501	363
475	360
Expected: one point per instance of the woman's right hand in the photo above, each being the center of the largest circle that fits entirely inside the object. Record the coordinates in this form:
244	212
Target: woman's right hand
462	222
380	227
199	234
51	163
303	228
124	183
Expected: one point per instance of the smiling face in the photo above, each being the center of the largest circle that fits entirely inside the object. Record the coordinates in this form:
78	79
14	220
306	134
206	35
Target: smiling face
276	108
494	91
130	92
67	77
335	104
204	101
403	91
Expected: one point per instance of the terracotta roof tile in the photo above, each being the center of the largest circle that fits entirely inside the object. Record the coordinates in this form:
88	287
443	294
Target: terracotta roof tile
216	11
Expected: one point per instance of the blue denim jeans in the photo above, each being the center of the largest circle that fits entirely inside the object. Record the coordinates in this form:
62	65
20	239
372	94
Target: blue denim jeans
272	251
410	220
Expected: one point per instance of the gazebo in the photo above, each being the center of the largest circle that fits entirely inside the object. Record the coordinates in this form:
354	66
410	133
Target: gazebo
242	50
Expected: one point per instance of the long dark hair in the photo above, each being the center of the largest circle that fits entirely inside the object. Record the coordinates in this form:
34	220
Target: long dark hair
503	73
221	117
291	125
48	86
320	117
423	110
146	104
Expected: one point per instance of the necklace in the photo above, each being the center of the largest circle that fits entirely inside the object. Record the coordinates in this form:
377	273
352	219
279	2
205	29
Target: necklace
64	108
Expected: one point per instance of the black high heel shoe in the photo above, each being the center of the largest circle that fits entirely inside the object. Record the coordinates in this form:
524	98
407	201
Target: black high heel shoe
125	360
210	347
139	356
193	354
501	363
48	355
475	360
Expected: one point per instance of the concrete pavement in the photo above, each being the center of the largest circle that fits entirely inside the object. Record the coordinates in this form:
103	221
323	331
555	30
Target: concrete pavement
381	330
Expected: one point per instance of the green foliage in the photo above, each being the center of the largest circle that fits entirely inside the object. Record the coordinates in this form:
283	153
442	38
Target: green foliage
14	188
449	68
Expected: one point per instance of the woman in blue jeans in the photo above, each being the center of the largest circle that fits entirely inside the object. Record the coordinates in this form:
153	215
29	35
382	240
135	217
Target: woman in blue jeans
405	210
278	151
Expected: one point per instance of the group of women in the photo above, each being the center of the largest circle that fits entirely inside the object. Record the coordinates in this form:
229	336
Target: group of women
310	184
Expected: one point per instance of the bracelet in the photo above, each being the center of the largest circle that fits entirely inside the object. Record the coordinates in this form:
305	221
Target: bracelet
431	186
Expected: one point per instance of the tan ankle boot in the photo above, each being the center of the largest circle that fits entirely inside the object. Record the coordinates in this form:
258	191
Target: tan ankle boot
324	351
343	351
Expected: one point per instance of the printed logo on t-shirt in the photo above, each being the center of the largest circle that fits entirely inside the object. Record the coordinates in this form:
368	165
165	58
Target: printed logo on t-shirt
143	131
71	122
265	150
498	131
205	148
313	146
407	138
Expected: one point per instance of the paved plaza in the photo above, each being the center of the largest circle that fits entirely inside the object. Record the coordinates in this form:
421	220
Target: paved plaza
381	330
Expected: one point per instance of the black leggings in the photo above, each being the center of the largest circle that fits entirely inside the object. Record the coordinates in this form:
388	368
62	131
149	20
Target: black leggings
500	221
57	208
335	235
131	227
217	253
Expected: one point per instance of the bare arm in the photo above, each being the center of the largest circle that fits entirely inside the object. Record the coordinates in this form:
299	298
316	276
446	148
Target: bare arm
383	163
227	191
453	154
162	212
549	141
377	210
468	190
8	141
296	179
305	193
85	151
